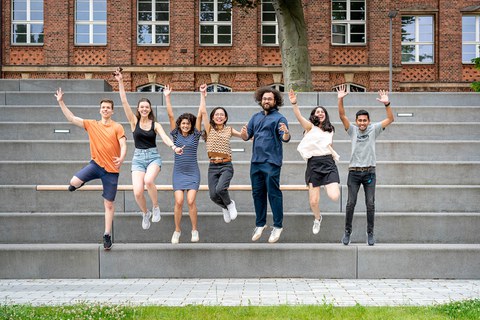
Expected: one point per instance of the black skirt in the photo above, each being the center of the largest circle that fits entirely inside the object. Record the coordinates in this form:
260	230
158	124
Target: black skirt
321	170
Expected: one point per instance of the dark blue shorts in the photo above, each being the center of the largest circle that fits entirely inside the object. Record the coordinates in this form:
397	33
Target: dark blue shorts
109	180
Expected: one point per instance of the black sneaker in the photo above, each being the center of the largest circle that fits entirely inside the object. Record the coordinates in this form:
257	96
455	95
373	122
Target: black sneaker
346	238
107	242
370	239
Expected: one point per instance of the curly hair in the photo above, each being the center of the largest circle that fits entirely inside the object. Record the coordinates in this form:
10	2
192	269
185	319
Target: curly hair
326	124
190	117
151	116
276	94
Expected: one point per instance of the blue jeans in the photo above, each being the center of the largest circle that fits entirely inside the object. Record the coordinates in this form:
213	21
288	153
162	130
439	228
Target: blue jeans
368	180
265	178
219	177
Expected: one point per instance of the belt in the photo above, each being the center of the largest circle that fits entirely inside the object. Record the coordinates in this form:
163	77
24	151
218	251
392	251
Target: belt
360	169
223	160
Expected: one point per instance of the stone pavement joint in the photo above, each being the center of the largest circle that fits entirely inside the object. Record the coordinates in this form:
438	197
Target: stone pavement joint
237	292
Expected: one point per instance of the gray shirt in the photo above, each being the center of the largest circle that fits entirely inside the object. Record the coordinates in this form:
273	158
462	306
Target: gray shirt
363	144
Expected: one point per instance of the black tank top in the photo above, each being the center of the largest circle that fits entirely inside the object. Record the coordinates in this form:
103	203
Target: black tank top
144	139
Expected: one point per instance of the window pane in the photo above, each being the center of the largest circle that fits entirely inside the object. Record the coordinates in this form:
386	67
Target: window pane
269	29
339	28
82	16
225	16
339	5
100	16
267	6
162	16
357	38
339	15
20	38
204	6
162	39
99	39
82	28
36	28
81	38
356	15
357	28
269	16
145	6
206	16
269	39
425	53
206	29
408	53
339	39
36	38
224	29
162	6
19	5
19	16
83	6
204	39
36	16
100	6
100	28
161	29
36	6
144	16
357	5
224	39
144	34
425	20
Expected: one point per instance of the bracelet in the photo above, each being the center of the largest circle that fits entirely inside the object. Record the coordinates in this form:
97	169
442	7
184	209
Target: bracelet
387	105
173	147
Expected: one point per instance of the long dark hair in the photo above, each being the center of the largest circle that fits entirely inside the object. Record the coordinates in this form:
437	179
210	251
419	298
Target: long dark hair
212	114
325	125
190	117
151	116
276	94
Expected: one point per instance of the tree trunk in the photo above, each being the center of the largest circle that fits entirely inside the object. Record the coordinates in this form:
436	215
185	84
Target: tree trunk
293	45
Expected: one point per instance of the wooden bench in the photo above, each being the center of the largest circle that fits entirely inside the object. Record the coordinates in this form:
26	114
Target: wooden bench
164	187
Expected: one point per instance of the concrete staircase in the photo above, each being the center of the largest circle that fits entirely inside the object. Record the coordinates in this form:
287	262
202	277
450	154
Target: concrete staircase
428	194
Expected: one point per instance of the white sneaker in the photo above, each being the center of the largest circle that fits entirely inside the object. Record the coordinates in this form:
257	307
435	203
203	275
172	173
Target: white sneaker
275	235
257	233
146	220
232	210
195	237
226	216
176	237
316	225
156	214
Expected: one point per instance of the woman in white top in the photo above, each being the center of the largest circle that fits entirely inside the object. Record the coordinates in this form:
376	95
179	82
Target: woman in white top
316	149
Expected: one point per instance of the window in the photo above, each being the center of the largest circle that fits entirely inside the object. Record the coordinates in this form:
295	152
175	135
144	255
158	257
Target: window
278	86
150	88
269	24
215	22
470	38
91	22
417	39
218	88
27	22
351	87
348	22
153	22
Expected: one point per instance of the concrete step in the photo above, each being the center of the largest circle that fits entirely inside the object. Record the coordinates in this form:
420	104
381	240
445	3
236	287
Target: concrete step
390	227
469	131
389	198
227	260
15	172
48	110
391	150
51	85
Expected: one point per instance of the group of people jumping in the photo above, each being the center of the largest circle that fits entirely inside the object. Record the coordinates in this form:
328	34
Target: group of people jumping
268	129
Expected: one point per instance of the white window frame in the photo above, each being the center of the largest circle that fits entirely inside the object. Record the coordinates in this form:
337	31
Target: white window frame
350	87
417	43
269	24
90	23
476	42
215	23
348	23
152	86
213	87
278	86
153	23
28	22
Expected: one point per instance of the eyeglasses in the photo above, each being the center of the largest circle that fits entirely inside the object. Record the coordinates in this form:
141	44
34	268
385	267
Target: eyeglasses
268	99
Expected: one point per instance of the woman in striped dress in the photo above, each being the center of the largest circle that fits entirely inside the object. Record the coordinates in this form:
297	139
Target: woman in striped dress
186	174
220	169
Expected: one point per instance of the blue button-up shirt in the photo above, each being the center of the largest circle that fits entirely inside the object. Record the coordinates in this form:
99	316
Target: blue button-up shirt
267	137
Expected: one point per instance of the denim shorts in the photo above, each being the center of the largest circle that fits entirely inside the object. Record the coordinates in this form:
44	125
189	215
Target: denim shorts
142	158
109	180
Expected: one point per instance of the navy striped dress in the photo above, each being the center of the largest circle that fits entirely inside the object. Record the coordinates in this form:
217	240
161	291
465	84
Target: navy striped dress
186	174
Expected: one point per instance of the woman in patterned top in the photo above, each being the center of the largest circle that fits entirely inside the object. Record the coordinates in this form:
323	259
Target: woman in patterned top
220	169
186	174
316	148
146	162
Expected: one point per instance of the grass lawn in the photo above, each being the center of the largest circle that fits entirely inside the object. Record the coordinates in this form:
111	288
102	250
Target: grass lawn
469	309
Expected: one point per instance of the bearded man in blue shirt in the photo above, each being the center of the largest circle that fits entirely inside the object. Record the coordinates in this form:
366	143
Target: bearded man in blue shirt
269	129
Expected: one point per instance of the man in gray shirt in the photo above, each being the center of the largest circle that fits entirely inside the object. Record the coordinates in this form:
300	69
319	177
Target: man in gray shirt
361	170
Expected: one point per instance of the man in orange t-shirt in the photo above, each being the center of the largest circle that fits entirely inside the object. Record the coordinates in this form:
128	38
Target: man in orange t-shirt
108	148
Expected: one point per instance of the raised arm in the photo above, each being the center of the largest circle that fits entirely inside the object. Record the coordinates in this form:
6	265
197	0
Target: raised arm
341	93
203	107
123	96
68	114
166	139
384	99
307	125
167	92
236	133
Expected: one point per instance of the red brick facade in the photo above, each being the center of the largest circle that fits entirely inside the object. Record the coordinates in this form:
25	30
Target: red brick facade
246	64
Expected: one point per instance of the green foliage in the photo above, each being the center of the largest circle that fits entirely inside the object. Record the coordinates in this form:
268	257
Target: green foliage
476	85
468	309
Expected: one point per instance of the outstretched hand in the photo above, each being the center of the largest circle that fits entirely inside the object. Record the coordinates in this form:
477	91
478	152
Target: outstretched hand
167	90
342	91
283	127
118	74
179	150
203	89
292	96
383	97
59	95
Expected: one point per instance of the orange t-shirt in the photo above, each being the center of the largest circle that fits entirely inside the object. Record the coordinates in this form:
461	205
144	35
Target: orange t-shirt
104	144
